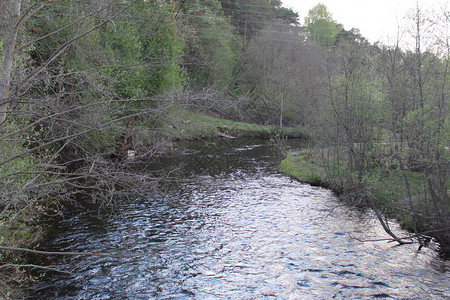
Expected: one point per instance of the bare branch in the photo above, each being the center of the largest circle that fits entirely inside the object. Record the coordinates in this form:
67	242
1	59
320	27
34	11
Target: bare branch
62	138
34	267
63	253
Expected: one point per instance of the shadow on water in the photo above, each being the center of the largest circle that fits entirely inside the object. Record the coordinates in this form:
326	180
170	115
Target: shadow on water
226	225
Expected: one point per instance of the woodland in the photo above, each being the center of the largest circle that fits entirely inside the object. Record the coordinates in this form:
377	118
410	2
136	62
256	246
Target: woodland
83	81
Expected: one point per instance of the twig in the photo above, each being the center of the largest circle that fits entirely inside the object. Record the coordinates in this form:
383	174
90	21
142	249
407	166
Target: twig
63	253
389	240
404	237
36	267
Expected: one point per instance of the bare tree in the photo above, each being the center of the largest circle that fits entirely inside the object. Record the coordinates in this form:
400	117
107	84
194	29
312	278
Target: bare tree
282	69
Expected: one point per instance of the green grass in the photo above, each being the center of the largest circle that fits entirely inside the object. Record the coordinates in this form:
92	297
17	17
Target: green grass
304	168
184	124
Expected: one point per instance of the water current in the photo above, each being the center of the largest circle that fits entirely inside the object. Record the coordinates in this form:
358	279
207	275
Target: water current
231	227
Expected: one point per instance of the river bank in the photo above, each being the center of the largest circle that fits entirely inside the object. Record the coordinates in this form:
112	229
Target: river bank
182	124
383	190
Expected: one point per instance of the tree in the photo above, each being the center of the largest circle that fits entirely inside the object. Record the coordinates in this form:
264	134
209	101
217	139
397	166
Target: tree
385	116
10	47
321	26
249	16
280	70
213	49
286	15
352	99
426	124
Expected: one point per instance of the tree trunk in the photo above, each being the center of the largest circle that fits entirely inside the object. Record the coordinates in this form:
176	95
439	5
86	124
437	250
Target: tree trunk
10	46
281	110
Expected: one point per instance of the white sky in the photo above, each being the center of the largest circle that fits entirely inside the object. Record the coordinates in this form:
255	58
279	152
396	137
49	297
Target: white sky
378	20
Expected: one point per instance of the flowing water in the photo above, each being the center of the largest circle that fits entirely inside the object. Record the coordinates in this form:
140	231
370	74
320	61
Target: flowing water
231	227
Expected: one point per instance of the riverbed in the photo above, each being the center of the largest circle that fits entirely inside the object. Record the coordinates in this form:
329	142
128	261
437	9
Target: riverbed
226	225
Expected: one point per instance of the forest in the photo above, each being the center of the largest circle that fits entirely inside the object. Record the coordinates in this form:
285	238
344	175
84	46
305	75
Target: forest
84	81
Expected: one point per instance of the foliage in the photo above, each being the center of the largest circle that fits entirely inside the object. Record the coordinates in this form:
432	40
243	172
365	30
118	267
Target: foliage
321	26
125	48
250	16
162	47
214	50
15	173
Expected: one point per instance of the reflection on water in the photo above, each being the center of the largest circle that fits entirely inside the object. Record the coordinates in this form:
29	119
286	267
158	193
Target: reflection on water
232	228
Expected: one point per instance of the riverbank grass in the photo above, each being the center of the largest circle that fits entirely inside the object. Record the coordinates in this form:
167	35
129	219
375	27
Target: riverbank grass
409	206
303	168
387	187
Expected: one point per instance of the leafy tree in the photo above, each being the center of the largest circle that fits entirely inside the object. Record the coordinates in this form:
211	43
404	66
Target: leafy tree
321	26
162	46
213	49
351	36
124	47
249	16
286	15
353	101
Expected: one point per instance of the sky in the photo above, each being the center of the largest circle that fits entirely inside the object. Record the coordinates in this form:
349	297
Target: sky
378	20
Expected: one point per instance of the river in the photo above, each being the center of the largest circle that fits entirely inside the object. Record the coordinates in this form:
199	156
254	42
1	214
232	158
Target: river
227	225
